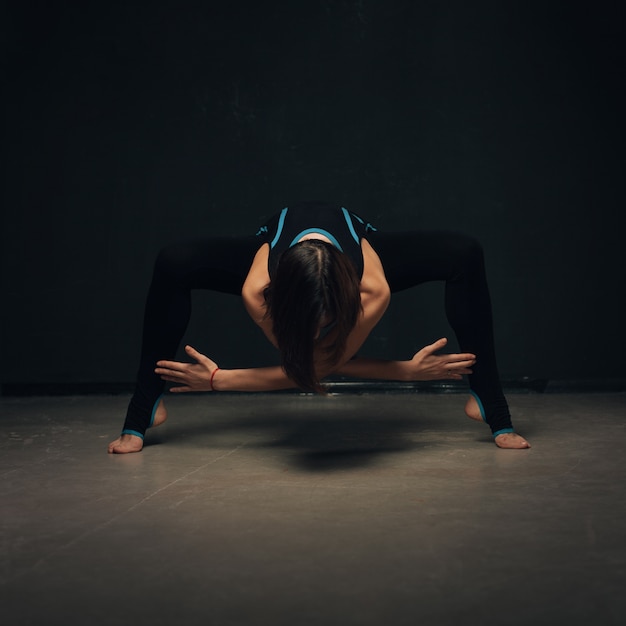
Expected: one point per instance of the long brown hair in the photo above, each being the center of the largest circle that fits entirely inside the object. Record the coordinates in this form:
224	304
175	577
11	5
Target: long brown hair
313	282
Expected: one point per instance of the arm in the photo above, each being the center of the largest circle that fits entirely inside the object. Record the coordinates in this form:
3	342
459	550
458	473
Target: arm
202	375
375	296
205	375
374	302
425	365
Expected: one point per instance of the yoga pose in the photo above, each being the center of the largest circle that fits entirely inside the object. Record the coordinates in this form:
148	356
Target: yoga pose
317	279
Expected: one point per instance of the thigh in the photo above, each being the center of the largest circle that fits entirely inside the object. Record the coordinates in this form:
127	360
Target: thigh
216	263
414	257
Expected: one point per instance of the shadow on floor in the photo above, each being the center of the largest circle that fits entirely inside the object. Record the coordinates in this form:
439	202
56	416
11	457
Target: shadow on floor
314	442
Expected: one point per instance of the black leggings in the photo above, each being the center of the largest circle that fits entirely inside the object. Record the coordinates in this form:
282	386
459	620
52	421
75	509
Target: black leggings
409	259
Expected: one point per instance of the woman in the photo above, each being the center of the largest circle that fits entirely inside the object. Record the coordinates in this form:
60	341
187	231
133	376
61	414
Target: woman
317	279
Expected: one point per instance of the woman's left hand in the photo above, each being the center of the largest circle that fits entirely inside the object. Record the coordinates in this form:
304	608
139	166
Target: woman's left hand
188	376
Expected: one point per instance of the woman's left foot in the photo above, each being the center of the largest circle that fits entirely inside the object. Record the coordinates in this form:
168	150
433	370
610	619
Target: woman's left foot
511	441
126	444
472	410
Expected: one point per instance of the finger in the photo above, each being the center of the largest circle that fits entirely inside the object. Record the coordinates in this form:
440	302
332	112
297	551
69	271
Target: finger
457	373
180	389
173	379
164	371
462	364
459	365
466	356
203	359
434	347
172	365
193	353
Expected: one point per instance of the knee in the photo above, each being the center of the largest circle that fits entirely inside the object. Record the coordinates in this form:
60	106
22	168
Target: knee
473	250
169	261
469	254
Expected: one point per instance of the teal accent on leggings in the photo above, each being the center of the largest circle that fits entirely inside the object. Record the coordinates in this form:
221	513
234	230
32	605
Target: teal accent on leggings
154	409
132	432
502	431
481	408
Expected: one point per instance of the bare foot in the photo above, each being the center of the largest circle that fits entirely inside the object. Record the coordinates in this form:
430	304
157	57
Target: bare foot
472	410
160	415
511	441
125	444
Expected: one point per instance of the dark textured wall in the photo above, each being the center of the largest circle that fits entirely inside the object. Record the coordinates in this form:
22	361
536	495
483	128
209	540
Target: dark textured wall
131	126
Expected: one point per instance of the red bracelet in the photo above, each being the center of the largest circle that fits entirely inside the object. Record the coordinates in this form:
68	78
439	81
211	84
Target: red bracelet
212	376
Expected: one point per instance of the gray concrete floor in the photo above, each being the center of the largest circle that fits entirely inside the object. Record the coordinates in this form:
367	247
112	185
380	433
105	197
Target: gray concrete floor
285	509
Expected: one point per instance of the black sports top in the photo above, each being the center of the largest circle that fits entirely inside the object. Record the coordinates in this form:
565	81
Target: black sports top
344	229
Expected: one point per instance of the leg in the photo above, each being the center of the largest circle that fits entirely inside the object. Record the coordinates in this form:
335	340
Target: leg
220	264
413	258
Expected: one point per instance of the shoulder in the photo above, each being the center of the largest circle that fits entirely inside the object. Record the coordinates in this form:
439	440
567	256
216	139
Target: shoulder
375	289
257	280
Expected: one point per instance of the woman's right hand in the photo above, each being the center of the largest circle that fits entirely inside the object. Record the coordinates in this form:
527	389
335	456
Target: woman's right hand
428	365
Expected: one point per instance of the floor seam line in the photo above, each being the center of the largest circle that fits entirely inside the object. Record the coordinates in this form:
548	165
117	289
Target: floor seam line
129	510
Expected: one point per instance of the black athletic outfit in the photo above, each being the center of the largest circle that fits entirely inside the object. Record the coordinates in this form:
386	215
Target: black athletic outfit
408	258
344	229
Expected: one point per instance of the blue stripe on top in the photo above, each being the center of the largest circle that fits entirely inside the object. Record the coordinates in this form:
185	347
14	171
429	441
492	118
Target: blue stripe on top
319	231
281	224
350	225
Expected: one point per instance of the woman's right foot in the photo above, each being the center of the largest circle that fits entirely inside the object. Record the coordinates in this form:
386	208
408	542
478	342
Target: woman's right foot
160	415
126	444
